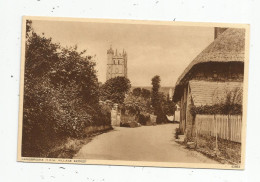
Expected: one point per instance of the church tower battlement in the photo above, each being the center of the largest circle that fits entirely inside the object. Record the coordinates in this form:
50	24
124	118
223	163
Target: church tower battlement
116	64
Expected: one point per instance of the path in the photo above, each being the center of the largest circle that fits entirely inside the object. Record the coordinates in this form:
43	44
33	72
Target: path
146	143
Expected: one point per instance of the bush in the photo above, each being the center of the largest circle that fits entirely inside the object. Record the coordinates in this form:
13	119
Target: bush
161	118
138	106
61	94
235	109
177	133
231	103
143	119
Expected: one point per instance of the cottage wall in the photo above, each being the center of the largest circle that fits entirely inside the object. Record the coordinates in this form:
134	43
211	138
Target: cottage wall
181	115
183	111
189	128
186	118
207	72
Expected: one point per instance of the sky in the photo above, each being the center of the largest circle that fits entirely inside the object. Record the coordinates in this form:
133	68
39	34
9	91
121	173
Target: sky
163	50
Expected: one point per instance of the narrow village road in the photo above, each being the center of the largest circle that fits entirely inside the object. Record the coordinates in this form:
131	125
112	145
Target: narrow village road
146	143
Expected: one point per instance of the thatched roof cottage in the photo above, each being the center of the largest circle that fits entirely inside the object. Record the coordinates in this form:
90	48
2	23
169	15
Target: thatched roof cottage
216	70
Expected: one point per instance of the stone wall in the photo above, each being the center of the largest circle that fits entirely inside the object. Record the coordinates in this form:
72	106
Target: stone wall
95	129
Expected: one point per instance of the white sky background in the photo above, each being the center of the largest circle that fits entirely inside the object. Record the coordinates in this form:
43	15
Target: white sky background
152	49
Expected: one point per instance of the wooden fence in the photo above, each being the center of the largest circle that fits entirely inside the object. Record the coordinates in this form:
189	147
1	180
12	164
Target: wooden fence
227	127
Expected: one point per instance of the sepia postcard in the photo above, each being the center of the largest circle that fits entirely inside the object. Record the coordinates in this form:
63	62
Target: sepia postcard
129	92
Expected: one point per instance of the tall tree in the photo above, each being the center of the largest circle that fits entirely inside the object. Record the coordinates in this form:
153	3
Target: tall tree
158	99
155	98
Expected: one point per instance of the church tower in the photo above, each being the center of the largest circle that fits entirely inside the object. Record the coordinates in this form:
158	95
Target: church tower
116	64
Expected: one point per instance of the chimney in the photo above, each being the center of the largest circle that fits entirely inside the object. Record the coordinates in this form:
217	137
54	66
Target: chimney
218	31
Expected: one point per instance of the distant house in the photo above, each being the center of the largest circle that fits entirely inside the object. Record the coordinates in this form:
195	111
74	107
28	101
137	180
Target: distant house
216	70
170	94
177	113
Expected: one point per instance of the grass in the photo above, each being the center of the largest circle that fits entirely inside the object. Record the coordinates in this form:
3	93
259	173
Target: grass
228	152
68	148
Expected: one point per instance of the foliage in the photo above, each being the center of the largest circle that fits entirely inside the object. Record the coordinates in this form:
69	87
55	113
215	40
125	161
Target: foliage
60	94
137	91
161	104
161	117
177	133
141	92
115	89
142	103
135	105
232	104
28	27
145	93
144	118
161	108
155	97
169	107
217	109
138	104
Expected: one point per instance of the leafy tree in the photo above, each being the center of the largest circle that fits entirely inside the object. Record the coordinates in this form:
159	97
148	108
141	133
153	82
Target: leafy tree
146	93
137	104
38	122
137	91
138	101
169	107
28	27
115	89
60	94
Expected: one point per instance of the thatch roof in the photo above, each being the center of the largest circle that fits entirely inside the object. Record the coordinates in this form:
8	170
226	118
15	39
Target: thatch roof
210	93
227	47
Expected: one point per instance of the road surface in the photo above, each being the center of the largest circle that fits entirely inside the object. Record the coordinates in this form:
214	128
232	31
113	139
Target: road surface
145	143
